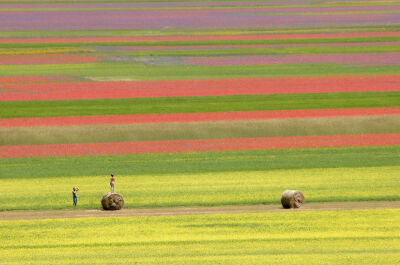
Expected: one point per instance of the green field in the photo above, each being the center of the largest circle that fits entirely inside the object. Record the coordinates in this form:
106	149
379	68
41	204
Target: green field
190	32
265	51
119	106
200	42
212	51
187	163
137	71
347	237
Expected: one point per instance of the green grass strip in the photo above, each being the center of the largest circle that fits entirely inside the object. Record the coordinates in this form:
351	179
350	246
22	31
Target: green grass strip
200	42
266	51
137	71
197	32
337	237
19	109
210	51
148	164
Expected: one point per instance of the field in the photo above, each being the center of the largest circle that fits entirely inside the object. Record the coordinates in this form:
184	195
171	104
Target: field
234	188
342	237
200	104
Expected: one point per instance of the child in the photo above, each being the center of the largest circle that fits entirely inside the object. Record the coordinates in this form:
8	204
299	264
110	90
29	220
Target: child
75	195
112	182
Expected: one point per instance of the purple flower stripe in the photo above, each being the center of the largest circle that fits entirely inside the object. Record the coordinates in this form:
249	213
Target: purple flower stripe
271	10
318	9
160	5
191	19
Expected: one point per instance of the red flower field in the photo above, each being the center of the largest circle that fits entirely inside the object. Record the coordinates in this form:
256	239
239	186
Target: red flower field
206	145
208	87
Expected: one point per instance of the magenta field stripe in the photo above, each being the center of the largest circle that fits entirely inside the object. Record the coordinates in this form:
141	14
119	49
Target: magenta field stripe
203	38
155	4
207	87
187	19
195	117
208	145
273	6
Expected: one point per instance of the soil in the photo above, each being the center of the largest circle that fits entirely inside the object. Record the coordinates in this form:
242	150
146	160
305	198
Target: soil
176	211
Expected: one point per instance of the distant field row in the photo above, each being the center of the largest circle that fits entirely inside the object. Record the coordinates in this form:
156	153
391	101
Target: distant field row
139	71
212	59
382	124
267	50
147	119
321	7
189	38
198	32
217	3
178	163
266	10
192	41
228	49
200	15
25	88
19	109
21	55
199	145
223	188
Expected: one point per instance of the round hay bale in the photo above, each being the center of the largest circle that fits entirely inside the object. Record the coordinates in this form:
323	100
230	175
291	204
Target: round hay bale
292	199
112	201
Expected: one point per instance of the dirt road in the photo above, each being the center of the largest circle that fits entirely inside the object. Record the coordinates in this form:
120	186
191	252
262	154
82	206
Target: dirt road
78	213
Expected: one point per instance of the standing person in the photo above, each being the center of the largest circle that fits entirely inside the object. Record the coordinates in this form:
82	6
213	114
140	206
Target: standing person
75	195
112	183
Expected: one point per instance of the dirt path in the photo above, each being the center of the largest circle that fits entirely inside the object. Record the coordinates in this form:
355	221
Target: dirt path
77	213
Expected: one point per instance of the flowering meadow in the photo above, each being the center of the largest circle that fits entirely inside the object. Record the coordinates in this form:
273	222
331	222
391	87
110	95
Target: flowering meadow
197	104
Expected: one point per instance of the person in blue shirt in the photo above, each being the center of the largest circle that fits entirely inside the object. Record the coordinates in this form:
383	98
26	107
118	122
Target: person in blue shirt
75	195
